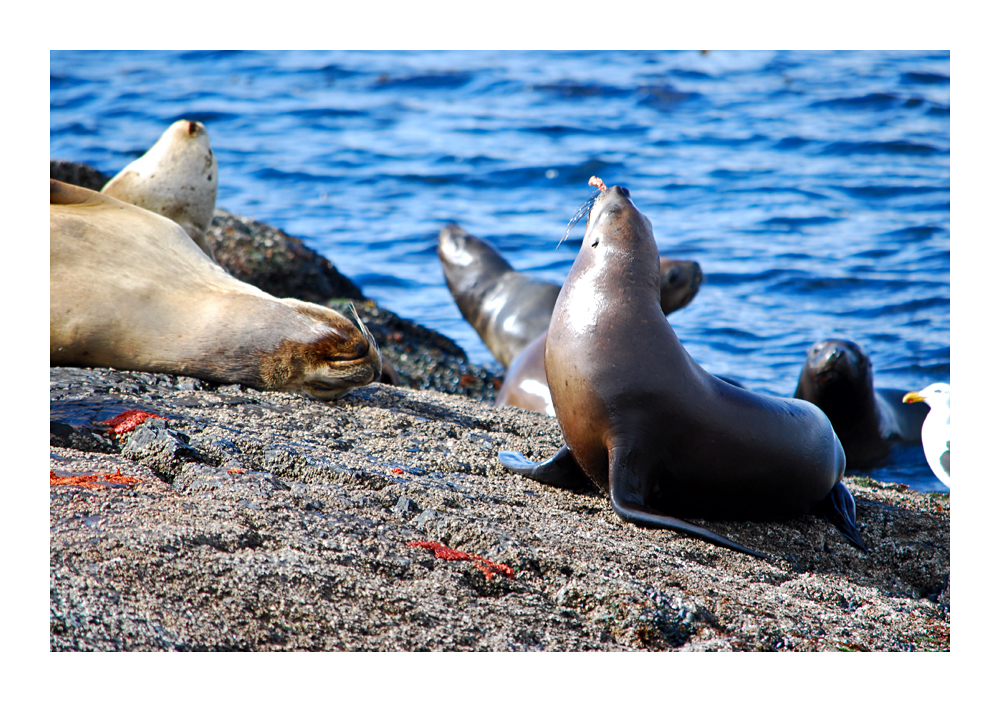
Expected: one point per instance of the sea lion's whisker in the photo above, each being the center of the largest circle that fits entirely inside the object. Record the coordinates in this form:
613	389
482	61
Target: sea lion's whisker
581	212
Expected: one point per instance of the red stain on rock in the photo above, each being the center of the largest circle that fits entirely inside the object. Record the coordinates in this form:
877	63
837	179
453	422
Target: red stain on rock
489	568
93	480
129	420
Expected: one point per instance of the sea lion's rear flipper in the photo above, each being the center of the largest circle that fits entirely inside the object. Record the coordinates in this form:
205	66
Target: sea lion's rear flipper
561	470
626	482
838	508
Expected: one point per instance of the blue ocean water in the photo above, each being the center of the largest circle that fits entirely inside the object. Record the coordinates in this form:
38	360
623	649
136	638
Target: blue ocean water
812	187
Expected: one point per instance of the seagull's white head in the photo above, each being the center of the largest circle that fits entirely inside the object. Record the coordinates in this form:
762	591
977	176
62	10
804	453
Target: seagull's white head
936	395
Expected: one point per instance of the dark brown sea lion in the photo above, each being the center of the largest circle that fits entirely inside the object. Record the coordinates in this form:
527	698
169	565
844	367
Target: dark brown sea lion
525	385
837	377
642	420
510	309
129	289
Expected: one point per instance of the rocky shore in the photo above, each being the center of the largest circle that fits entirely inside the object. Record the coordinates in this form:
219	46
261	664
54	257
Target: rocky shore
268	521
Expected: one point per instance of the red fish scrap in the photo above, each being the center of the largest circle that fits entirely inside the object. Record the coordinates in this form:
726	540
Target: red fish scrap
597	183
489	568
129	420
236	471
93	480
397	471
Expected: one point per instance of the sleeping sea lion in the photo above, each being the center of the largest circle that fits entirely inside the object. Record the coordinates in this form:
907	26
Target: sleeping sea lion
525	384
837	377
177	178
129	289
642	420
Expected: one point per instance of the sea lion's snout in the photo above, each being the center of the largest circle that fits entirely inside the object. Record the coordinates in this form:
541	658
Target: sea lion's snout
834	359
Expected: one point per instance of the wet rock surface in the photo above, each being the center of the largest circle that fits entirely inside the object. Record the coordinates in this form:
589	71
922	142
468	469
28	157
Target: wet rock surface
269	521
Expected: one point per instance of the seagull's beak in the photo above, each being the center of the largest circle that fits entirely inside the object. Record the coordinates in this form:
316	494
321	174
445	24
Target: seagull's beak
913	397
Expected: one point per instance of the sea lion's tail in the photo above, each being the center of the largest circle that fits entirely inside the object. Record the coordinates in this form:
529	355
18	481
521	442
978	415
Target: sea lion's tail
838	509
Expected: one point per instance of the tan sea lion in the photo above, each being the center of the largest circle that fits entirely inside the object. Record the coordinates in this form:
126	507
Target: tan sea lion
838	378
129	289
177	178
525	384
643	421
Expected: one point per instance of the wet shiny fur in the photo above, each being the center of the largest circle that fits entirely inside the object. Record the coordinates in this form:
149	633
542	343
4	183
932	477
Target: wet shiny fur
525	384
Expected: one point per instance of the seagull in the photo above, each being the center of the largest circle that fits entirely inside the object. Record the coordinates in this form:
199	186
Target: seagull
936	432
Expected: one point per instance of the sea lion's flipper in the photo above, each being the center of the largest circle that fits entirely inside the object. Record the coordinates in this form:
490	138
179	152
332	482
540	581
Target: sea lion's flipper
561	470
838	508
626	481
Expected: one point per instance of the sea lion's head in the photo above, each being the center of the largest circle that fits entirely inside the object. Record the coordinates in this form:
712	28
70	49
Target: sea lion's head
338	355
616	224
835	368
177	178
470	263
679	283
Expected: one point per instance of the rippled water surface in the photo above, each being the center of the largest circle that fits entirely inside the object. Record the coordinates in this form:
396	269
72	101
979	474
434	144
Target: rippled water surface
812	187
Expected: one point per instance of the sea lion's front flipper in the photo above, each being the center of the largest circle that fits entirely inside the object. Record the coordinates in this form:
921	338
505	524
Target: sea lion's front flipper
561	470
626	482
838	508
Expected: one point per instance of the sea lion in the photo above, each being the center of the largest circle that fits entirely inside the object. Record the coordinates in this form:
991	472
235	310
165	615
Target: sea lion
837	377
129	289
177	178
525	385
645	423
510	309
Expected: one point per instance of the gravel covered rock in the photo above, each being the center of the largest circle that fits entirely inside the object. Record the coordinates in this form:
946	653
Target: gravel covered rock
282	523
269	521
